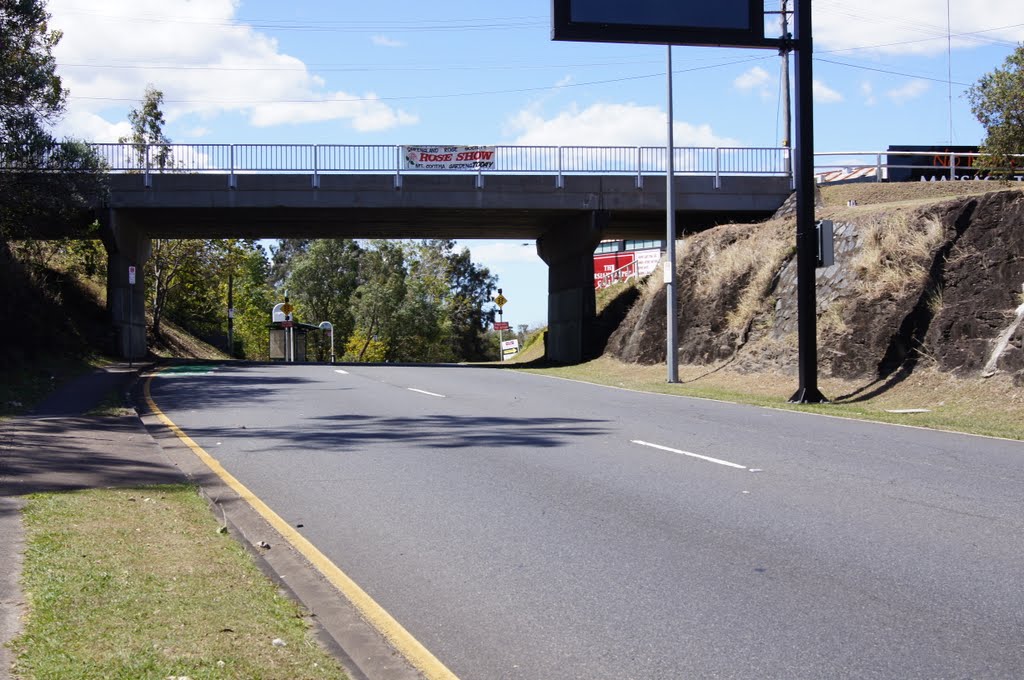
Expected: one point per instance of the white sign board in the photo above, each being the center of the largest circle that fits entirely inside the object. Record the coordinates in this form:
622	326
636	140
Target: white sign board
509	348
449	157
131	275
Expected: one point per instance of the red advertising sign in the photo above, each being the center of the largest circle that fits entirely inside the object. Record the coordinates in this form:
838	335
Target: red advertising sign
611	268
501	325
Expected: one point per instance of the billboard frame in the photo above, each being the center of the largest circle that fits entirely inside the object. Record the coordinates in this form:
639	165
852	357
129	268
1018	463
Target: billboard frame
564	28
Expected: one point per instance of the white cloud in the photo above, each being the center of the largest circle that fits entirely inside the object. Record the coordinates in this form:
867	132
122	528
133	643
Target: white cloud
755	77
912	89
91	127
916	26
607	125
366	114
823	94
384	41
502	251
867	91
219	66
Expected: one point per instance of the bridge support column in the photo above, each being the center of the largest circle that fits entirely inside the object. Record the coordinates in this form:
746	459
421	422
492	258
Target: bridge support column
127	246
568	251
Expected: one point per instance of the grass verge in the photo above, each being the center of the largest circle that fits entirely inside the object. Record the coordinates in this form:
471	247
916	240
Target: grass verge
142	583
992	407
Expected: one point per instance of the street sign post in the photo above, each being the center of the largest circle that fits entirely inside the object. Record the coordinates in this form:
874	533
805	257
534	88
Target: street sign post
131	320
723	23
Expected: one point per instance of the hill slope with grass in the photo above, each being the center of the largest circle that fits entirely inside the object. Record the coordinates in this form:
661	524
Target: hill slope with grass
926	275
56	325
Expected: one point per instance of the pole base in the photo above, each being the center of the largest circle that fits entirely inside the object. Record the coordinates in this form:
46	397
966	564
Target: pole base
806	395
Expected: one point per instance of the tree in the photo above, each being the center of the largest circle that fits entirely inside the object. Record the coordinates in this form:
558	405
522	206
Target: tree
67	184
254	300
151	145
323	277
997	100
471	287
172	264
379	297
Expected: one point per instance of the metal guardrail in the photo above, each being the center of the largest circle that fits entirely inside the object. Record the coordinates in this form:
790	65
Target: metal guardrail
321	159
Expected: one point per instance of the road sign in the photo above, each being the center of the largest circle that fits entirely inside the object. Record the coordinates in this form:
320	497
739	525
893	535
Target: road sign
287	324
500	300
287	308
509	348
131	275
501	325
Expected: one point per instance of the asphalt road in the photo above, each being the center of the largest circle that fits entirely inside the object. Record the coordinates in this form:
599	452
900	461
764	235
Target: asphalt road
528	527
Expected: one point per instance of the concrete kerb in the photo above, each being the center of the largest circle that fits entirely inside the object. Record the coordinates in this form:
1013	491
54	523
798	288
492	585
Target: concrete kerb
364	653
141	448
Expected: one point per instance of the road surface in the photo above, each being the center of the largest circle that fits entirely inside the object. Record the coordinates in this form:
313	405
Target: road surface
521	526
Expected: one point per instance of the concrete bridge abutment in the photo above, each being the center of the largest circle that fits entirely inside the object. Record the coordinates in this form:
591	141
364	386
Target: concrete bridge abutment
127	246
568	251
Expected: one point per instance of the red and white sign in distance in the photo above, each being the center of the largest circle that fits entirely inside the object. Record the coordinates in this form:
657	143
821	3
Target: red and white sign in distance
501	325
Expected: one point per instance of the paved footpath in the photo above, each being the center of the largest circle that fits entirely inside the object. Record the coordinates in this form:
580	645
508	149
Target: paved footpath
58	448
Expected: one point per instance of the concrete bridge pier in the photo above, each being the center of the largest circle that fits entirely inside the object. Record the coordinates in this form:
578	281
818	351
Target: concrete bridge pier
568	251
127	246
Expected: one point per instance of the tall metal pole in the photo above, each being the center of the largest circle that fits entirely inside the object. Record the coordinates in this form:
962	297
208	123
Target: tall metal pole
806	233
671	346
787	119
231	316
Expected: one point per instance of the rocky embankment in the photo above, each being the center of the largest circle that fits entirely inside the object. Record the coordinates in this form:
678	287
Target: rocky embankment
915	283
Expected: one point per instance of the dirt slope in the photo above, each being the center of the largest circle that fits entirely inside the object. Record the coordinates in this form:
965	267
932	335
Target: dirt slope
920	278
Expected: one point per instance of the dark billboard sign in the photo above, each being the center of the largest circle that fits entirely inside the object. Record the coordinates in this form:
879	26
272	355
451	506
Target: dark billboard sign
923	163
718	23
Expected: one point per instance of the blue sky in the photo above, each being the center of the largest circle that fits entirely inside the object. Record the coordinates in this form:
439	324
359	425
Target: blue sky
478	72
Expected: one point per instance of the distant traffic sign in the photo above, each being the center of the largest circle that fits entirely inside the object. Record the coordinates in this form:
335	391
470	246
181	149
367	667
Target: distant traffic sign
501	325
500	300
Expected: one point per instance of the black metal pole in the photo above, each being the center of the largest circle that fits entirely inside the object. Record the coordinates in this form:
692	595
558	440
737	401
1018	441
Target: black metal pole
806	235
231	316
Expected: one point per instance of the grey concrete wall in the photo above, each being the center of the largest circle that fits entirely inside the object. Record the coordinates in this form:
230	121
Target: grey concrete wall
569	253
126	246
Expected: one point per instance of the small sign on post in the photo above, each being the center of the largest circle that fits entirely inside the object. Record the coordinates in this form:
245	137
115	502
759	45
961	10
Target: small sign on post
131	275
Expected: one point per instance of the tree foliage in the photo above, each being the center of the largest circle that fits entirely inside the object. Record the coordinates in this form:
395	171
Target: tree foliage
150	144
389	300
57	184
997	100
323	279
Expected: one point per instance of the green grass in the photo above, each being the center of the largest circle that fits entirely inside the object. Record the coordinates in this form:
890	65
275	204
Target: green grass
139	584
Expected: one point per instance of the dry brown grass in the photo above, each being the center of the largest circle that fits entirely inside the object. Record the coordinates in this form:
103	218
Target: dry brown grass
757	254
895	253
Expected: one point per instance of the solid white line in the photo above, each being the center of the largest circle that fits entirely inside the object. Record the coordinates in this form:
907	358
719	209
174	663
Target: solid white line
338	370
691	455
429	394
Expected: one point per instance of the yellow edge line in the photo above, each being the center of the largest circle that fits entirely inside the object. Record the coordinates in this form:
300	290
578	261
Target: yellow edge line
409	647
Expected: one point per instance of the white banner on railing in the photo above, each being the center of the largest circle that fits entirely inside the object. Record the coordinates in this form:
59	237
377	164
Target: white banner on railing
449	157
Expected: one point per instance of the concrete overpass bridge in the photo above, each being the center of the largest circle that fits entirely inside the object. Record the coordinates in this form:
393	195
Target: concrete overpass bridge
565	198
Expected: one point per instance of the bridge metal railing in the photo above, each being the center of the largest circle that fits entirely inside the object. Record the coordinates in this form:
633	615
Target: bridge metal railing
559	161
320	159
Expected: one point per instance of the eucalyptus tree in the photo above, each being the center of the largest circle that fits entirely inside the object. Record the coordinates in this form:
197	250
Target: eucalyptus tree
997	100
